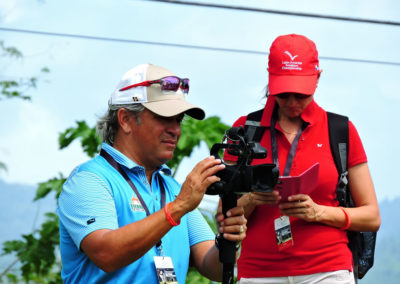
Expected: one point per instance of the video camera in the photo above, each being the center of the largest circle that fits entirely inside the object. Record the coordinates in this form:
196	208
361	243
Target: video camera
242	177
236	179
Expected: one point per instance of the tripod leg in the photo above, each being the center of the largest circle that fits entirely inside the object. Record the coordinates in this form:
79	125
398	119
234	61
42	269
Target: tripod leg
227	250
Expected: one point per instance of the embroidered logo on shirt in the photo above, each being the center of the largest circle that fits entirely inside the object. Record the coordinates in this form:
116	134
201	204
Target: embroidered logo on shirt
136	205
90	221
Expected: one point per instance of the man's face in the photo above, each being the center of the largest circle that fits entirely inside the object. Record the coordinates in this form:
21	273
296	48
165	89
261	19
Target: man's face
155	138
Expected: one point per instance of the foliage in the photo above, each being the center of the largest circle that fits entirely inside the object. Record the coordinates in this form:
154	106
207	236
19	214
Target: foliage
37	251
54	184
15	88
209	130
10	51
3	167
18	87
90	141
193	276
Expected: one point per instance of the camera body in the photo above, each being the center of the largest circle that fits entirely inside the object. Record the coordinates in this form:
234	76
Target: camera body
242	177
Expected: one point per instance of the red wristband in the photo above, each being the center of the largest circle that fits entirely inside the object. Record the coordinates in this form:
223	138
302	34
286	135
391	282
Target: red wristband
169	217
348	220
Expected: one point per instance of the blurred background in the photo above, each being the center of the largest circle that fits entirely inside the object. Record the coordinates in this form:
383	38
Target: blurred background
78	50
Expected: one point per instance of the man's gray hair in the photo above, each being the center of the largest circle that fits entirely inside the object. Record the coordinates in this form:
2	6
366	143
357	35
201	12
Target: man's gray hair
107	125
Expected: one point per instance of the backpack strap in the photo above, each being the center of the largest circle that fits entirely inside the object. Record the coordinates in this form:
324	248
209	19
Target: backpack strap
252	128
338	126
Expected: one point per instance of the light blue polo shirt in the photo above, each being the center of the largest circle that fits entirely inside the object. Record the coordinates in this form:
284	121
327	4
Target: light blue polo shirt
95	196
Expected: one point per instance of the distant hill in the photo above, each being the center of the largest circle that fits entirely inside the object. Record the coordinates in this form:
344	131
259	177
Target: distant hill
19	214
18	211
386	267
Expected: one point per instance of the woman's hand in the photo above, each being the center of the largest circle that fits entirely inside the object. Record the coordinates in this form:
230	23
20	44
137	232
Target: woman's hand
301	206
250	200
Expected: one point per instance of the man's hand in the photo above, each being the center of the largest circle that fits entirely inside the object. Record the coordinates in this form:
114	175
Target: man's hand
196	184
234	226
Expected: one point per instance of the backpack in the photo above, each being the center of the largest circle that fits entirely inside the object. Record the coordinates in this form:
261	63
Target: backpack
361	244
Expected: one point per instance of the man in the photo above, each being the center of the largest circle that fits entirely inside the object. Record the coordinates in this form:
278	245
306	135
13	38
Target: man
123	219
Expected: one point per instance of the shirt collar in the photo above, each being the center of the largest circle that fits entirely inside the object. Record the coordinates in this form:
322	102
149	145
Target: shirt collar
310	113
125	161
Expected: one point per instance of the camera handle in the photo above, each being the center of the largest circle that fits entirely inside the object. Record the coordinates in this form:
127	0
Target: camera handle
227	249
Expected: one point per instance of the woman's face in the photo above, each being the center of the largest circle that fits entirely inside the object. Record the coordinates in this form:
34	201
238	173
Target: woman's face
292	105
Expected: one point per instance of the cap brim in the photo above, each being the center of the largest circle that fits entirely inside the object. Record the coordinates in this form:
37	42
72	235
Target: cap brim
170	108
278	84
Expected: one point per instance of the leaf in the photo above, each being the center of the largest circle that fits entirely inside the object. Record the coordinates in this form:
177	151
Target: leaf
36	251
10	51
54	184
90	141
11	246
210	130
3	166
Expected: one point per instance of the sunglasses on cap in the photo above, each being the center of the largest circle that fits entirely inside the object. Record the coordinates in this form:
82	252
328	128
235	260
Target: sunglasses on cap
169	83
285	96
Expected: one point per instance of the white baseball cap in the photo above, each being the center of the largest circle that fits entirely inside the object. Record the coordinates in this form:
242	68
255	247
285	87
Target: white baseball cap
151	96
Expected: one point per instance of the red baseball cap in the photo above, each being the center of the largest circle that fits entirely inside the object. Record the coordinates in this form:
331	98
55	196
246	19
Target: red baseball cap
293	65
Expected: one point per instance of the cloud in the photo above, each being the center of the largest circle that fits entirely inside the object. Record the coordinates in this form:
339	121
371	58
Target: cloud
10	11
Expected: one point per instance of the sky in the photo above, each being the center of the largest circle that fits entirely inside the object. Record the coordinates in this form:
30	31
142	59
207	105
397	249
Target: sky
228	84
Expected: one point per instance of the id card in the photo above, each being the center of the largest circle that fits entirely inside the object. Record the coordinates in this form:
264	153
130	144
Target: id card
283	233
165	270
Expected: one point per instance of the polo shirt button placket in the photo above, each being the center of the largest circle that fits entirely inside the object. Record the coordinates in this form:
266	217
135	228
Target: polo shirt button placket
144	179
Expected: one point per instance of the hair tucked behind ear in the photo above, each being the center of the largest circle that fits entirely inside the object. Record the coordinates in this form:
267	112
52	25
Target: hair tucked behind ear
107	125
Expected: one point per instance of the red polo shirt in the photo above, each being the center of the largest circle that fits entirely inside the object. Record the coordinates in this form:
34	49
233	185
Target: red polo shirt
317	247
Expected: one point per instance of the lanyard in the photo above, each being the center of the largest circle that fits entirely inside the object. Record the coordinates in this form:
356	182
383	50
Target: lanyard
119	168
293	147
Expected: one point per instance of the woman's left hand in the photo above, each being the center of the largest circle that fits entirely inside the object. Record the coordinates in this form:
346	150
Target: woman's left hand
301	206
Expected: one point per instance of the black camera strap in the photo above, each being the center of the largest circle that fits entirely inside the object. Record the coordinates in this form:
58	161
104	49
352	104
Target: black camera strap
119	168
293	147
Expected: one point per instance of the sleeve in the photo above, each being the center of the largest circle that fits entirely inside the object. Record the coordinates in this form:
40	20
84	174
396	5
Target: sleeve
239	122
85	205
198	228
357	153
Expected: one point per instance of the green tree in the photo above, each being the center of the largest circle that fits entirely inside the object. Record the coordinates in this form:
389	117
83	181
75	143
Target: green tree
37	251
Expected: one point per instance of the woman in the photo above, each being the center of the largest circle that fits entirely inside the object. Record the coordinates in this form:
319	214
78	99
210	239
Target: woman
302	239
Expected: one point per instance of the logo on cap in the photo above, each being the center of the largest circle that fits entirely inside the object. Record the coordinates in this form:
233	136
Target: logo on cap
291	65
290	55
